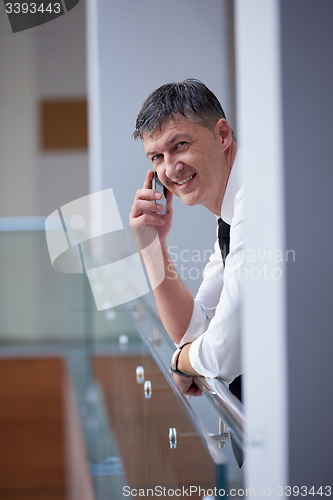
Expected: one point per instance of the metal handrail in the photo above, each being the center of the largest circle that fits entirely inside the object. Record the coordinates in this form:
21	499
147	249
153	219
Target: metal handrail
228	406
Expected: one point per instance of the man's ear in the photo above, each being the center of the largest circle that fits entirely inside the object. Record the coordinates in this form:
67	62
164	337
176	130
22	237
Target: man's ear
224	133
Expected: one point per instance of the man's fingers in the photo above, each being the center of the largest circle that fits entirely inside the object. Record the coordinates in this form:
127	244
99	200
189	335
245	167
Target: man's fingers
148	180
147	194
186	385
140	206
147	219
194	390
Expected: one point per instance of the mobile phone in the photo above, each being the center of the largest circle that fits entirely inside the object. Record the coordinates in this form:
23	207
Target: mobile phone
158	186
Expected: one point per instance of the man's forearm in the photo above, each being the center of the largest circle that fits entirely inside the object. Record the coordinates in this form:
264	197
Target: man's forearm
174	301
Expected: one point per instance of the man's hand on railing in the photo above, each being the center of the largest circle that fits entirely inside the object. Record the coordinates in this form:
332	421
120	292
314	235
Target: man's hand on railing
186	385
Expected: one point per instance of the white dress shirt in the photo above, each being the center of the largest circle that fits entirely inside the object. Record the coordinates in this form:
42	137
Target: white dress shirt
215	325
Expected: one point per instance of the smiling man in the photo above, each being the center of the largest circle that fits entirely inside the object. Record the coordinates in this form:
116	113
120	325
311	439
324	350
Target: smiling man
192	148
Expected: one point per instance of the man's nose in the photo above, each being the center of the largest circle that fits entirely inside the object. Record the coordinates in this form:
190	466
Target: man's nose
173	166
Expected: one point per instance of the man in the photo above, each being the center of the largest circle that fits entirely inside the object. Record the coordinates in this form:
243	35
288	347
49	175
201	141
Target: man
192	148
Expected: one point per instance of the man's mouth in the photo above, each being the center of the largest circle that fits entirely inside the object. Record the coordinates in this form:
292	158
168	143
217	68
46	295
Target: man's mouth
183	181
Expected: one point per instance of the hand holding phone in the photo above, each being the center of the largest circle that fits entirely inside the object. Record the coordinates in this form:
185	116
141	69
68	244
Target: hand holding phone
158	186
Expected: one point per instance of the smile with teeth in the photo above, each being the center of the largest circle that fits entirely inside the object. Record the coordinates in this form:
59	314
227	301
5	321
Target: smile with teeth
183	181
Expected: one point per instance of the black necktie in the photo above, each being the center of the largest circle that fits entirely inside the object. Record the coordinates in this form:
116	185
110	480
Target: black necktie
224	243
224	238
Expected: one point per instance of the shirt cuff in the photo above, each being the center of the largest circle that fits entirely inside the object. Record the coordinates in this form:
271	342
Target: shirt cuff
195	356
195	359
197	326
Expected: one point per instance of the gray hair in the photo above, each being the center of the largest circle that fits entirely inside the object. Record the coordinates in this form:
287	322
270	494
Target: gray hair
190	98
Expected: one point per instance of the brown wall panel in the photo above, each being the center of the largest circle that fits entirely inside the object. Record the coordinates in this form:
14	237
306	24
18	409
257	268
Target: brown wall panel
38	495
64	124
32	455
42	453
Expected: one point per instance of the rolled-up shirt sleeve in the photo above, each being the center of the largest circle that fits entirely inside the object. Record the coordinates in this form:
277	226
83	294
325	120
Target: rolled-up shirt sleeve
215	326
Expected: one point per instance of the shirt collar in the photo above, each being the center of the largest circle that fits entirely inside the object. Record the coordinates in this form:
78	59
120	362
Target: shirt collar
232	188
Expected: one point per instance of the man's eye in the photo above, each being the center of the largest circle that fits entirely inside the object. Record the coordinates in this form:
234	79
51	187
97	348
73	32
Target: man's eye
156	157
180	144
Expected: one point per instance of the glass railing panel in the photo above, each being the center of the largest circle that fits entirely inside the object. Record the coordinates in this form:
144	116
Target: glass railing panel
208	414
126	431
172	439
142	410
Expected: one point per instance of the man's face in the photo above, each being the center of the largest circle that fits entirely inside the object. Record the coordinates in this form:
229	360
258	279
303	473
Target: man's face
190	160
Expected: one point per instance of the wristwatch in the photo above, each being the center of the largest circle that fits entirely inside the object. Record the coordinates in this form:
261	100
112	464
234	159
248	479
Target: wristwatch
174	362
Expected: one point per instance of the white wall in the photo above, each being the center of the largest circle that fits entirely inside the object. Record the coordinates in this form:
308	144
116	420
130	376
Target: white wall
259	116
18	122
285	109
134	47
61	70
44	62
48	61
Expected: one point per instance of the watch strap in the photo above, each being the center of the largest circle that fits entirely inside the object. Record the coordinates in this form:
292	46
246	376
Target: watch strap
177	372
174	363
